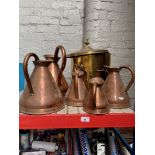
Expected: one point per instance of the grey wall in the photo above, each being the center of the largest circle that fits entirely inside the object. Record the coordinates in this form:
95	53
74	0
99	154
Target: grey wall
44	24
107	24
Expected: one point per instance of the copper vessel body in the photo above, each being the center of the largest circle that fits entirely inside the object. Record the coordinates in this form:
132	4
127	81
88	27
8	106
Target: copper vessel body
114	87
91	60
96	101
41	95
77	90
55	70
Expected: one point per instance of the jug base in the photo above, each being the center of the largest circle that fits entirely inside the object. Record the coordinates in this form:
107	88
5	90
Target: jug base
40	111
74	103
96	111
119	106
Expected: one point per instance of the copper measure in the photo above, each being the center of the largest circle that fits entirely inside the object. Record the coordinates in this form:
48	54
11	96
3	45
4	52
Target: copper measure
41	95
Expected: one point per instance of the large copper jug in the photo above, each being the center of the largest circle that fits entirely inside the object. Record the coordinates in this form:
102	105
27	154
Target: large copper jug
96	101
114	87
77	90
41	94
55	69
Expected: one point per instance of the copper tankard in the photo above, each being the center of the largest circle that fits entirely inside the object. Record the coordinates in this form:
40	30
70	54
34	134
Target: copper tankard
114	88
55	69
41	95
96	101
77	90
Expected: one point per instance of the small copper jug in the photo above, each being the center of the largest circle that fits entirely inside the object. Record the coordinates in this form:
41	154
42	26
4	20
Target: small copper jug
96	101
41	95
114	88
77	90
55	69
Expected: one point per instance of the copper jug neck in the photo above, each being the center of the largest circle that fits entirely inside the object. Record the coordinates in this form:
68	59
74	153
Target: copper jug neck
78	73
97	81
51	57
43	63
113	69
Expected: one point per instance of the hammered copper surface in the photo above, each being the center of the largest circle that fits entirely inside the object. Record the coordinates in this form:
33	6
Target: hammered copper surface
41	95
57	71
114	88
96	101
77	90
91	60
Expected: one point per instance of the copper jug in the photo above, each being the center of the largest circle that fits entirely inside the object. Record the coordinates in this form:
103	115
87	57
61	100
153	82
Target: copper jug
114	87
41	94
77	90
55	69
96	101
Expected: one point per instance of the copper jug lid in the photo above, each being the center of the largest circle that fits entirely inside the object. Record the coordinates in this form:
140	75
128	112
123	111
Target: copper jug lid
86	50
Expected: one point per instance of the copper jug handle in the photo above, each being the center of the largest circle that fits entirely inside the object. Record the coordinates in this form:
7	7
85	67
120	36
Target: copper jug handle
76	87
63	52
25	64
132	76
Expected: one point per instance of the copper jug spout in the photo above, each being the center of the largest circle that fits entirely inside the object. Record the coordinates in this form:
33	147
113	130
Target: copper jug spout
96	101
114	87
77	90
55	70
41	95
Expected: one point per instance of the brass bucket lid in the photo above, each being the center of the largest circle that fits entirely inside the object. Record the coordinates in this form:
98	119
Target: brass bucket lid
86	50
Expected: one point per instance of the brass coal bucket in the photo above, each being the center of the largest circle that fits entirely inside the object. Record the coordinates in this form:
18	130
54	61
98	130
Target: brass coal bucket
90	60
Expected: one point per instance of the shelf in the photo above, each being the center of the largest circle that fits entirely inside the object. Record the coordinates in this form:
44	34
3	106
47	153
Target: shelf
75	117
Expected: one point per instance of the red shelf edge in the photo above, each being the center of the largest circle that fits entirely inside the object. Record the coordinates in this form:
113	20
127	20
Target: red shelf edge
74	121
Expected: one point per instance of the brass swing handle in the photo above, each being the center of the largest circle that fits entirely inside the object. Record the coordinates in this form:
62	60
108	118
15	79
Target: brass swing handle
25	69
63	65
132	76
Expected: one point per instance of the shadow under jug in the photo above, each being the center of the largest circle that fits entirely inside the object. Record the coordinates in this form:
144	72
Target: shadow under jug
96	101
41	95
